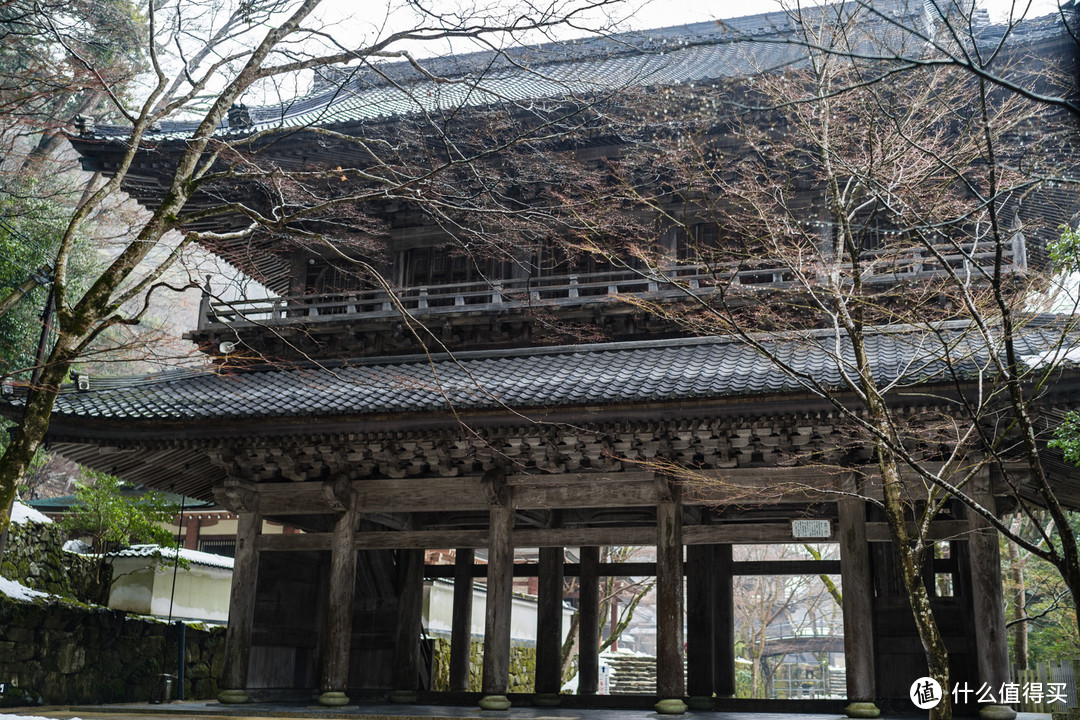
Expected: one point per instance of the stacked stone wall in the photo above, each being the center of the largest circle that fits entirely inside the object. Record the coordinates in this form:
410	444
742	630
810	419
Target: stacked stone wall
35	557
522	667
67	653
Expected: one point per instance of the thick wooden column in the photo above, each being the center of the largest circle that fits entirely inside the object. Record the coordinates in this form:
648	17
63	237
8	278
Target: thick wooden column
858	607
500	579
241	597
409	624
723	622
670	684
461	623
988	598
699	626
589	621
549	629
339	611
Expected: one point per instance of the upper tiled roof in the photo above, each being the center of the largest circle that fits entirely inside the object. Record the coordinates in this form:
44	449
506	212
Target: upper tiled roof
606	374
699	52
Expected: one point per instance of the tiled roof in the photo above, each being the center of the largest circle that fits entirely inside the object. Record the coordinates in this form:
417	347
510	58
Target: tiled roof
195	557
699	52
605	374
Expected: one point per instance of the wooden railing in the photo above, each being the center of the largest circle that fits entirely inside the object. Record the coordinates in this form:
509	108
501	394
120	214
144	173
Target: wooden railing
562	291
553	291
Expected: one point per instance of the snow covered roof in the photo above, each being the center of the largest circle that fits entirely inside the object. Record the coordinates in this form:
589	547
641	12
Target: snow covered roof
195	557
22	514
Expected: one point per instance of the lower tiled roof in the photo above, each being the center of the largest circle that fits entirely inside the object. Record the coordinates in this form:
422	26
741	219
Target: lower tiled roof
604	374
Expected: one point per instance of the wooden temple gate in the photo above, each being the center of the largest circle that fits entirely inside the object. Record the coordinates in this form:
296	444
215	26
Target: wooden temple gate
317	580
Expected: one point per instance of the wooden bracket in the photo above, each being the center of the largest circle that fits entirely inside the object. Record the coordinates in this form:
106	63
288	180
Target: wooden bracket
338	494
237	497
495	486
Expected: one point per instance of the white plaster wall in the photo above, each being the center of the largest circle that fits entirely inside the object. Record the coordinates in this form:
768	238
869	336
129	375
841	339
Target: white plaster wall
133	589
202	593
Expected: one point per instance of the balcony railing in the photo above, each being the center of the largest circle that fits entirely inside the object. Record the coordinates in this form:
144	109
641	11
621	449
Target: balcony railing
546	292
564	291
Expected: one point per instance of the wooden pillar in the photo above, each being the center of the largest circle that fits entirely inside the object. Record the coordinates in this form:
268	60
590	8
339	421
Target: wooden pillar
987	597
589	621
241	597
409	624
549	626
339	611
858	607
670	684
461	624
723	622
699	626
500	579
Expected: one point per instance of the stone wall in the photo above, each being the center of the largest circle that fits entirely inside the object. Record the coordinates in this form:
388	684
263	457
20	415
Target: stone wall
65	653
522	667
35	557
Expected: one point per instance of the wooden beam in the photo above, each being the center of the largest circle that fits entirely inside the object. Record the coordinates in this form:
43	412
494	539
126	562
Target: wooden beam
500	582
334	679
410	620
589	621
724	622
648	569
549	621
751	486
670	682
987	595
858	601
461	622
699	621
721	533
939	530
241	607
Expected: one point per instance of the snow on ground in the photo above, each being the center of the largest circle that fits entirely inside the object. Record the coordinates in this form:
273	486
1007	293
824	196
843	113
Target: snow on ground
22	514
18	591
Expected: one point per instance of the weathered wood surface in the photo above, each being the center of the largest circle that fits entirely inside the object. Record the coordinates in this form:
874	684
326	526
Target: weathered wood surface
648	569
589	621
549	620
752	486
669	601
339	612
987	593
700	617
410	620
858	601
461	622
242	601
737	533
939	530
500	581
724	622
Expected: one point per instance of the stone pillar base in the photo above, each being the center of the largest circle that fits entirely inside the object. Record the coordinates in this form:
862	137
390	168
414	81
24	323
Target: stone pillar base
404	697
494	702
670	706
547	699
333	698
699	702
233	697
996	712
862	710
